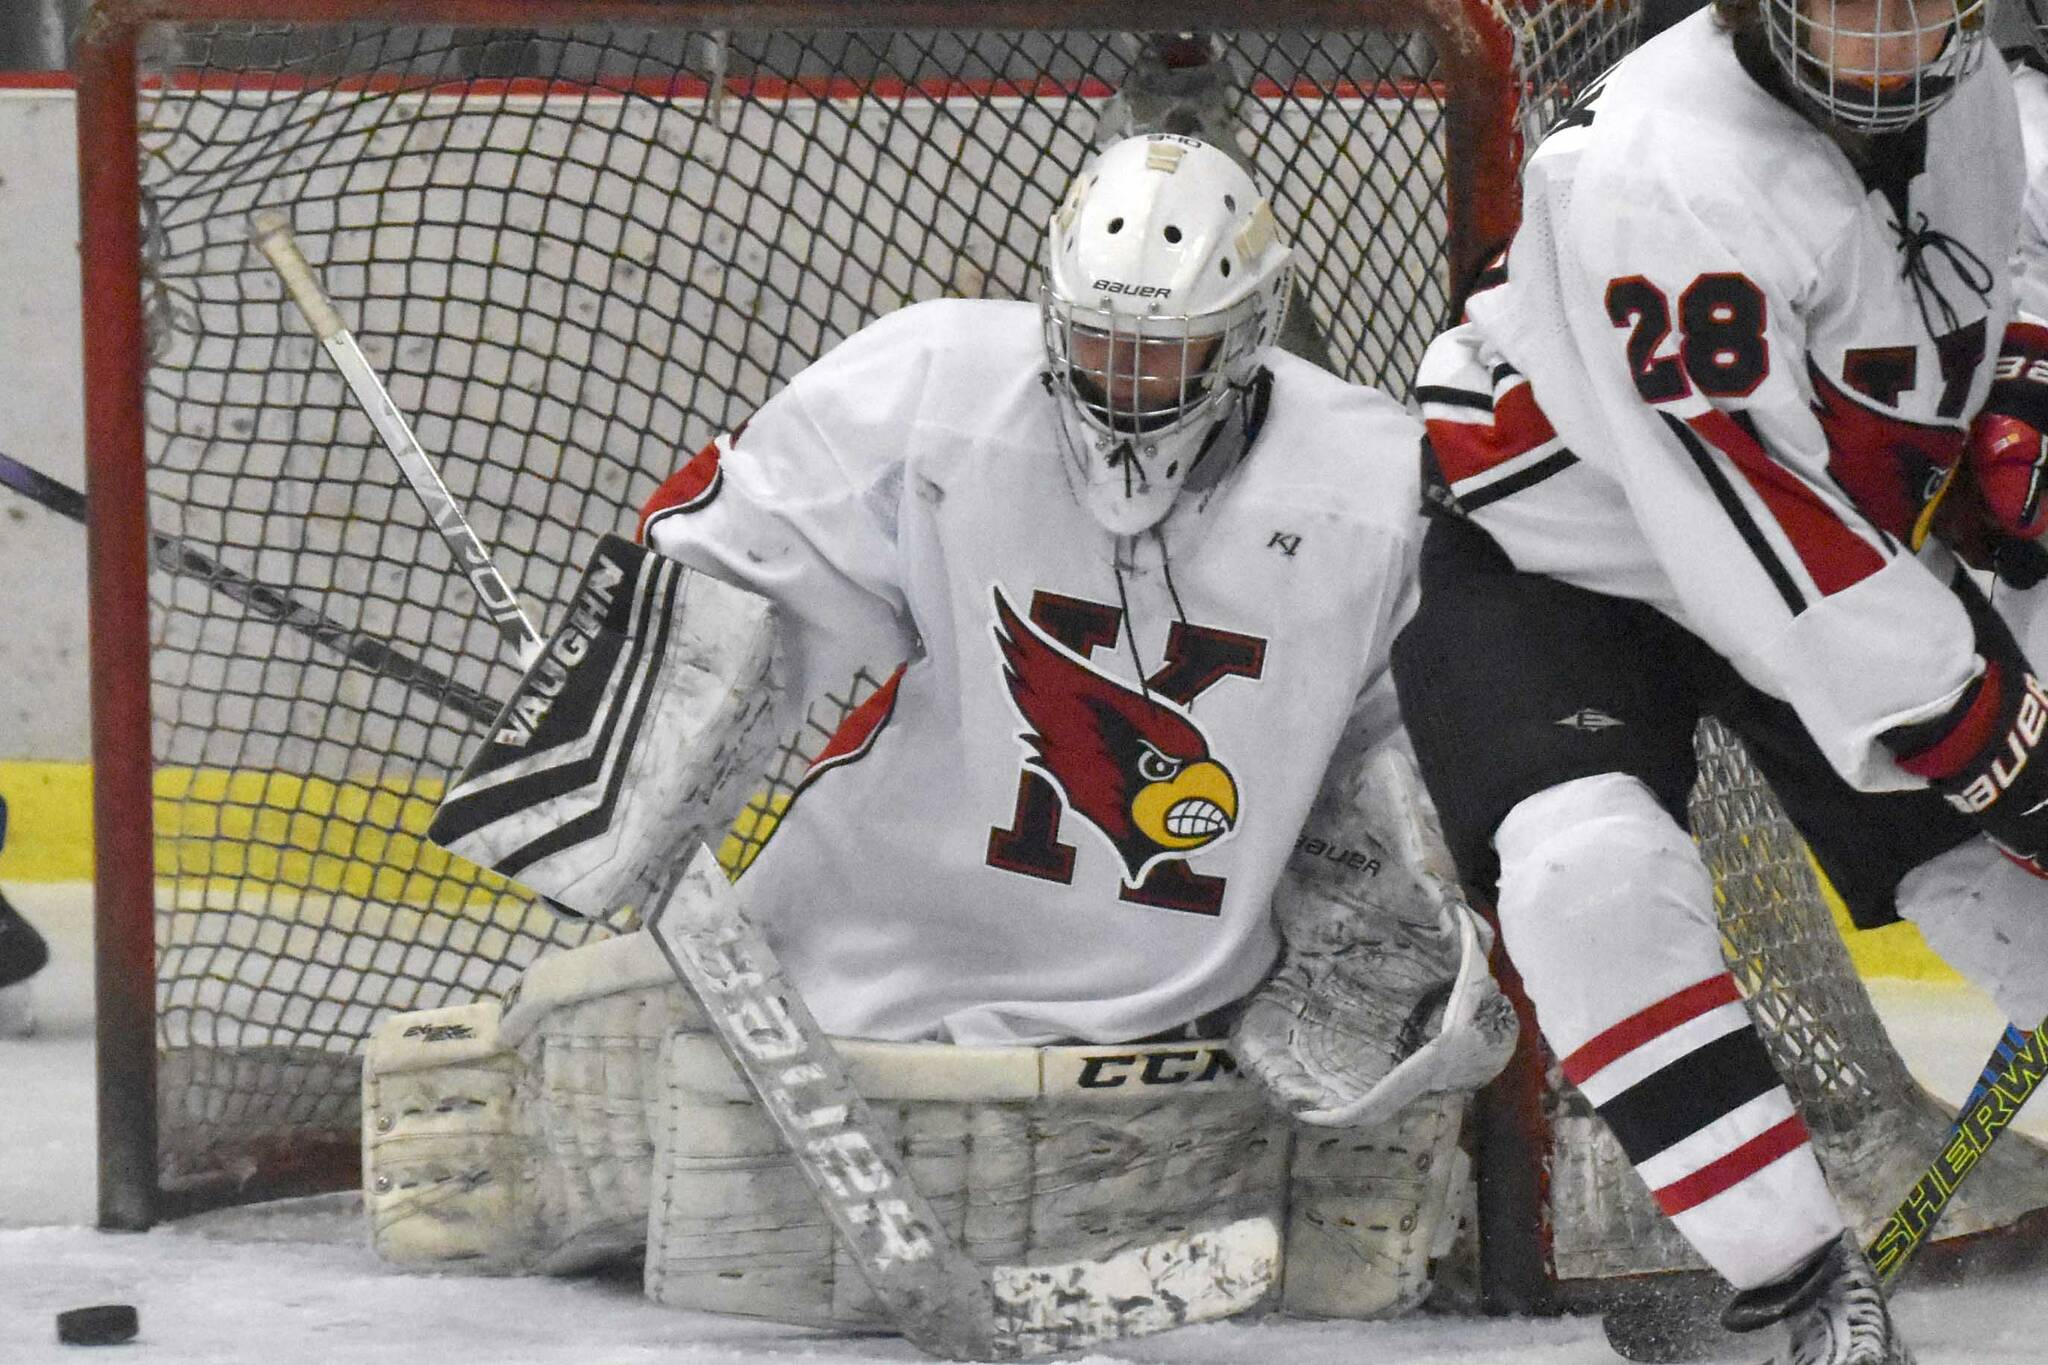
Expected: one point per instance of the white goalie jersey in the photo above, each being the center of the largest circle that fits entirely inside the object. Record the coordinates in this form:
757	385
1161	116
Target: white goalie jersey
1726	371
1064	818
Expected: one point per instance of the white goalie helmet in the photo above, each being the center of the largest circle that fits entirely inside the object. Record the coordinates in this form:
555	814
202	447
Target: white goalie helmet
1165	280
1876	66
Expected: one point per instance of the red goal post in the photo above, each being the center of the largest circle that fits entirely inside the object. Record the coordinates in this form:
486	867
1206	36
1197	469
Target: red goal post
195	111
579	237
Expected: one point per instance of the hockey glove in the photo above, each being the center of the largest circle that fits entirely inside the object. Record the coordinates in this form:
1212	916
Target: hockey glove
1984	754
2006	459
1382	994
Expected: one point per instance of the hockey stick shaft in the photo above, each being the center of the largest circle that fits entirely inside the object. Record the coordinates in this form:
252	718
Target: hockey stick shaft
270	231
174	554
2009	1079
932	1291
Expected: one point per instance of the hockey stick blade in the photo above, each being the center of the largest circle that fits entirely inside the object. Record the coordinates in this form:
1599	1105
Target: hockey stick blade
943	1302
174	554
270	233
1680	1322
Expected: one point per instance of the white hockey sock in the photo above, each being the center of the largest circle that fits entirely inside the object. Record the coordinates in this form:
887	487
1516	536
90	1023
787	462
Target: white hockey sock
1607	911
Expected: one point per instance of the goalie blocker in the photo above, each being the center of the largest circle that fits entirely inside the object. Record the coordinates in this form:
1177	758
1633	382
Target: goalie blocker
565	795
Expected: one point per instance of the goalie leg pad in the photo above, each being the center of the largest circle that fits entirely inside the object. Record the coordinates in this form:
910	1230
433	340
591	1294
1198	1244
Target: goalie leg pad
522	1142
1372	1210
444	1162
1046	1155
1030	1156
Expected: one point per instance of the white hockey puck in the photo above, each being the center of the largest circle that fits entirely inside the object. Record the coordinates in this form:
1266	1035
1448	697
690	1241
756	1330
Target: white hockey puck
103	1324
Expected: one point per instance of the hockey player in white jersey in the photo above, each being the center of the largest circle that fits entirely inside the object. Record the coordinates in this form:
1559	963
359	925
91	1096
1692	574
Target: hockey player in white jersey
1146	570
1131	576
1683	449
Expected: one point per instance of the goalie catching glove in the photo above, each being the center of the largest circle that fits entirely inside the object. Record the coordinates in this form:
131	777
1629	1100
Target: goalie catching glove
1382	994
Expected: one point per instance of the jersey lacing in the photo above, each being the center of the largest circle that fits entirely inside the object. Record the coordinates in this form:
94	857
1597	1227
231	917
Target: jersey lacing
1254	401
1123	600
1969	267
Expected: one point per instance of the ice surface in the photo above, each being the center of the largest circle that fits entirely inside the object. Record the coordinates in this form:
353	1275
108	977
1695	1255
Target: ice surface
294	1283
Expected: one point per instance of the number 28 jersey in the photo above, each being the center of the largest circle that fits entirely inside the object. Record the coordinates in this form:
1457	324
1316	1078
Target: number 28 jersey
1725	369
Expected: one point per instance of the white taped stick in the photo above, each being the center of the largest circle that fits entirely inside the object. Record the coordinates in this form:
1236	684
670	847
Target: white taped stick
942	1301
270	232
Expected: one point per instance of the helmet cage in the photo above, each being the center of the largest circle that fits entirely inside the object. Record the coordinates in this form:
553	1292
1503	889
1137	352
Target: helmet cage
1862	87
1151	376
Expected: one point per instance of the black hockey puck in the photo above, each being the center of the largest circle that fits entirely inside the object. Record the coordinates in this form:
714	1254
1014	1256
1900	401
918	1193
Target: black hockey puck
103	1324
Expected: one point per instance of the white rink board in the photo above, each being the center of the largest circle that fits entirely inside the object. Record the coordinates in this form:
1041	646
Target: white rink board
42	418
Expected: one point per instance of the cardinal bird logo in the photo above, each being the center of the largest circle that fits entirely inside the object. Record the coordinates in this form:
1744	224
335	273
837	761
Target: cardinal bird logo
1135	767
1892	467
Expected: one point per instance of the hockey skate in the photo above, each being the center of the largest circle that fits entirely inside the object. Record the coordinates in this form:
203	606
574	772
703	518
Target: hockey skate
1832	1307
22	955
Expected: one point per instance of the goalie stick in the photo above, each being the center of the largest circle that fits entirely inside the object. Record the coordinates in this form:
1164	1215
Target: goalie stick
175	554
270	232
1685	1324
936	1296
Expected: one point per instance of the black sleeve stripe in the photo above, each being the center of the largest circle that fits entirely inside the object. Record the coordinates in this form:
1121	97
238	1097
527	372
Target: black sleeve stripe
1455	398
1554	463
1752	534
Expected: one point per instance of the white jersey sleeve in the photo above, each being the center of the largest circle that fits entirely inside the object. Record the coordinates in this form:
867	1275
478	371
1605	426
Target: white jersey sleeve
799	504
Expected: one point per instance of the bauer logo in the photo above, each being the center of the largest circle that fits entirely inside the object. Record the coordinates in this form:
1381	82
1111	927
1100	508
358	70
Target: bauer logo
2020	743
1350	859
1136	291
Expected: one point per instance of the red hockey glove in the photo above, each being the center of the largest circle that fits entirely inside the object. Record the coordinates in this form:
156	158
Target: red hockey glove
2008	450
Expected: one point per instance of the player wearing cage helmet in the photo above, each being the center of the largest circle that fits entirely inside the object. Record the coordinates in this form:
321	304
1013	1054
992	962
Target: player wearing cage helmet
1686	450
1129	574
1144	569
1165	286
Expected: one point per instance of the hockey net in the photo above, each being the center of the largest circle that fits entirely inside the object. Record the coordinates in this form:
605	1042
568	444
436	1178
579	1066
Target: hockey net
578	244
